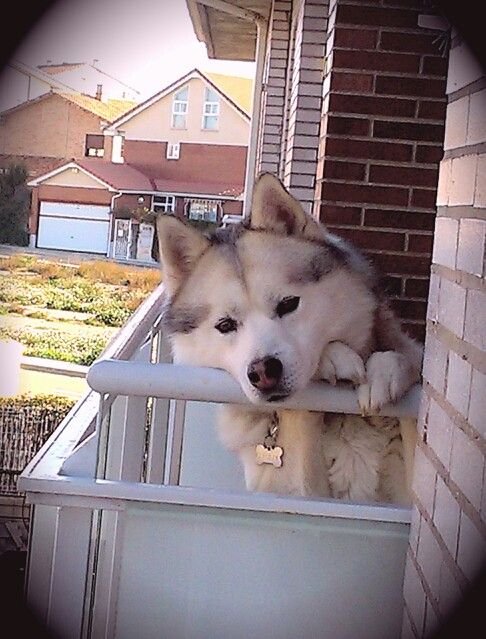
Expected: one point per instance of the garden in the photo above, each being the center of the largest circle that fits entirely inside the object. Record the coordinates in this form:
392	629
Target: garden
68	312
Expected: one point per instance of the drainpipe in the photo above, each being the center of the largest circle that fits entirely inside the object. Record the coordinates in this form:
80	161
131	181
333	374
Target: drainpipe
261	40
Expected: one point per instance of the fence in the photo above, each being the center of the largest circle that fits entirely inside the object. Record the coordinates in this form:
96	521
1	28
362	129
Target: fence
25	425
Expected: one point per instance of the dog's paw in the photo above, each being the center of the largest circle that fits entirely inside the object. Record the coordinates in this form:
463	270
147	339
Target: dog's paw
339	361
388	376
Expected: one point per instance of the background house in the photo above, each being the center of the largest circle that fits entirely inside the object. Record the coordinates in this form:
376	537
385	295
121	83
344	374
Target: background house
182	151
55	127
21	82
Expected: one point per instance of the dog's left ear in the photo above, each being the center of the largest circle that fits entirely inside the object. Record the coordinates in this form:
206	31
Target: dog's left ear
180	246
275	210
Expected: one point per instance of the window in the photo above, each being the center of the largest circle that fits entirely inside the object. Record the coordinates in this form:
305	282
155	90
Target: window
164	203
180	107
173	150
202	210
210	110
95	146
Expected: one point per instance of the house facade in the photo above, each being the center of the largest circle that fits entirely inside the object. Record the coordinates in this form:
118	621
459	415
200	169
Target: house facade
182	151
54	127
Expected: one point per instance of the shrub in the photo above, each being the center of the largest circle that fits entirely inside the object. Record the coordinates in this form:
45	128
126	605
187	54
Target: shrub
110	315
59	346
25	424
14	206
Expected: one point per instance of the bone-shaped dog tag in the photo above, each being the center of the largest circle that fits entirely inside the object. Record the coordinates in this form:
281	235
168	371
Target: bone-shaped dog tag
269	455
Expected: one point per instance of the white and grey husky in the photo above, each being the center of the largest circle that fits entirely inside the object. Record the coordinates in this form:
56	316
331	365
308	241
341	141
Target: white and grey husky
279	302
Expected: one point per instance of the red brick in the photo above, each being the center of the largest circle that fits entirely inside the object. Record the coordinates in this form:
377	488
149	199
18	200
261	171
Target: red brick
355	38
420	243
376	61
330	214
408	131
355	82
429	154
417	288
410	309
368	149
340	192
344	170
408	176
424	199
348	126
416	331
434	66
403	264
432	110
420	87
391	285
382	218
365	15
372	240
372	105
408	42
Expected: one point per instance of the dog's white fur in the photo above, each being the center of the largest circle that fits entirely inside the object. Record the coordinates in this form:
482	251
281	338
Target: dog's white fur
341	329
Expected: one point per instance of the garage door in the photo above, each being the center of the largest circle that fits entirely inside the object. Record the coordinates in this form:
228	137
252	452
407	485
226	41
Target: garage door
73	227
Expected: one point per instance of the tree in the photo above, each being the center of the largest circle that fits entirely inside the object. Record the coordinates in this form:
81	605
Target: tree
14	206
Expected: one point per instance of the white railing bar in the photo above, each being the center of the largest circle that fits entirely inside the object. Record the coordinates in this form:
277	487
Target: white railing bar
214	385
115	494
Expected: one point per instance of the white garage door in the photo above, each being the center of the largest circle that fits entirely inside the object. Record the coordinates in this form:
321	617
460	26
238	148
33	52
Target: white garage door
73	227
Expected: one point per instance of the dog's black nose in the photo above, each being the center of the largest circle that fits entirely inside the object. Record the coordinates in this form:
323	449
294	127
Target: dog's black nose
265	373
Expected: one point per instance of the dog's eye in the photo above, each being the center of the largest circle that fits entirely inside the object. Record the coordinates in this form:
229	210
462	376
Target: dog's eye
226	325
287	305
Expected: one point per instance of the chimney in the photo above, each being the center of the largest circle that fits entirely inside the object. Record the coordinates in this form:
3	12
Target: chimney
99	89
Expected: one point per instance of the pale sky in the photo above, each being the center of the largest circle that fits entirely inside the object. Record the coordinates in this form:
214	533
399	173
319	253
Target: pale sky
145	43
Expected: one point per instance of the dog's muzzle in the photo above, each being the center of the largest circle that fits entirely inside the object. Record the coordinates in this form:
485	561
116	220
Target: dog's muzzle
265	375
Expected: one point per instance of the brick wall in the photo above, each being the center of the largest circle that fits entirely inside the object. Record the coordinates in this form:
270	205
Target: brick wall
292	94
448	534
304	99
273	95
197	164
49	128
382	131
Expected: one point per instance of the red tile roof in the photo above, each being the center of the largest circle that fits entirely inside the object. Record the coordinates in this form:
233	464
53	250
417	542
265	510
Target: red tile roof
167	185
122	177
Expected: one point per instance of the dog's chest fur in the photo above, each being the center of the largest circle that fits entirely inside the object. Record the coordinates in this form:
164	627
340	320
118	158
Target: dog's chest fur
324	455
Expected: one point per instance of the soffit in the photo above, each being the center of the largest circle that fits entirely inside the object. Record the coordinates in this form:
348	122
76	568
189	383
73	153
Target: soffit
226	36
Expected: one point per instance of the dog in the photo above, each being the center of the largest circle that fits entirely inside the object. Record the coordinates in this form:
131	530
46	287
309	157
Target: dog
278	302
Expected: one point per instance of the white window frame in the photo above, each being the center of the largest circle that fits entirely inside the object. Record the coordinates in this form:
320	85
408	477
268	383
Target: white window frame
180	108
164	203
211	109
173	150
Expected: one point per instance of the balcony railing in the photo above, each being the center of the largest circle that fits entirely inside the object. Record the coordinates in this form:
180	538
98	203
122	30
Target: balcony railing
135	468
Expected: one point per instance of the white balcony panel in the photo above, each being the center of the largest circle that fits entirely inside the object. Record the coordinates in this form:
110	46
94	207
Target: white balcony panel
192	573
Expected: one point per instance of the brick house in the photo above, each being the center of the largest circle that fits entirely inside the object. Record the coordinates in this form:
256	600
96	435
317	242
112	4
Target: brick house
182	151
356	98
54	127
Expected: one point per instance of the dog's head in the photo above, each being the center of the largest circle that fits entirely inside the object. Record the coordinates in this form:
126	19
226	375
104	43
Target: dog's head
249	299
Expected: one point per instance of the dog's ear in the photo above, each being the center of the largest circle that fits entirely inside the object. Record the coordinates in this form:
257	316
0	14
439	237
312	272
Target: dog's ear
275	210
180	246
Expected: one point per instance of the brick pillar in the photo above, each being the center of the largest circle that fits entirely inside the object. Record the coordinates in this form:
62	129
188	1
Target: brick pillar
304	96
382	131
448	533
273	98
